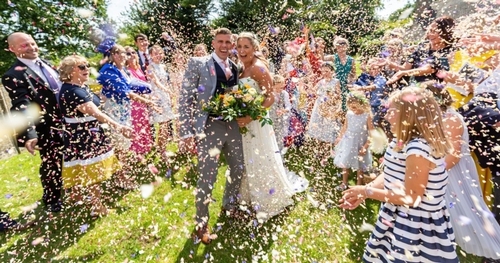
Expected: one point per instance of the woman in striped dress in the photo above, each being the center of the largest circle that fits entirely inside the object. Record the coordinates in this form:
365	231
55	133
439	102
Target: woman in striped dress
414	223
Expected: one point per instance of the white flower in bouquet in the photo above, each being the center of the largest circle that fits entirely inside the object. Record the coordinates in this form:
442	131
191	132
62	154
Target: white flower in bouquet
248	98
252	92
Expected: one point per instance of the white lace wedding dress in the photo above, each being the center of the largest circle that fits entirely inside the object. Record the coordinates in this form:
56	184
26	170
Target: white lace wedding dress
268	187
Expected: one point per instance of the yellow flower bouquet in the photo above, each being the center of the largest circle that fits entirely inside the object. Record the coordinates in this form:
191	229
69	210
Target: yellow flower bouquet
239	101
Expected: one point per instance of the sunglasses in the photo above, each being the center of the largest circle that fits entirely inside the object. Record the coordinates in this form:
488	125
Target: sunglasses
83	66
129	53
341	44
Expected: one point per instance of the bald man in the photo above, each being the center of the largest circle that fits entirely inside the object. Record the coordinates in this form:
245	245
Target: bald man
32	81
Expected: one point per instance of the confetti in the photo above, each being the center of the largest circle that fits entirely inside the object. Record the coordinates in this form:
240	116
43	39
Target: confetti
146	190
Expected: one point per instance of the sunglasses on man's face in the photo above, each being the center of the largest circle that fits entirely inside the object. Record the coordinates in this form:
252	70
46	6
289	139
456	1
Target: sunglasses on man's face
341	44
84	66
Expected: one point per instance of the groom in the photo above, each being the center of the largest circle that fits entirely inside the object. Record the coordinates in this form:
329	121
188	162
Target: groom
206	77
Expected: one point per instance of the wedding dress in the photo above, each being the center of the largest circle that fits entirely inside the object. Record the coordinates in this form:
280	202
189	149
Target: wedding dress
267	186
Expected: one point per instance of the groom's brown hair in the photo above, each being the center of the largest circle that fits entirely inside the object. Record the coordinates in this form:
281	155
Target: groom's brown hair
222	31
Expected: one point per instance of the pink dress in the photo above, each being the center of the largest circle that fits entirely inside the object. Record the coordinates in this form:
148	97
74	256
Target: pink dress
143	140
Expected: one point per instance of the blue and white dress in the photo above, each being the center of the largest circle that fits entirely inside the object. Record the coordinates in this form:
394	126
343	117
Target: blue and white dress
413	234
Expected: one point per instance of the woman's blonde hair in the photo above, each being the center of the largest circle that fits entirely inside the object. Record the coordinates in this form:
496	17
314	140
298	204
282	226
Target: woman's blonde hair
133	53
418	115
255	44
68	65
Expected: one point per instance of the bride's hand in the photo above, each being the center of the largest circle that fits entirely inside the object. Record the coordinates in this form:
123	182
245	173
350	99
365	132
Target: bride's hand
243	121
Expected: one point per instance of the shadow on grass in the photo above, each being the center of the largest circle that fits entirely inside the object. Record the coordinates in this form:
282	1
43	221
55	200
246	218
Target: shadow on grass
323	181
237	241
51	235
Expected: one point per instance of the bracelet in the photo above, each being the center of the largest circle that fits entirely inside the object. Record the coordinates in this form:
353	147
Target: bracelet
368	191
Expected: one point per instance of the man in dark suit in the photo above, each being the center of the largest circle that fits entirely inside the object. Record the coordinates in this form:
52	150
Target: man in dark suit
142	44
32	81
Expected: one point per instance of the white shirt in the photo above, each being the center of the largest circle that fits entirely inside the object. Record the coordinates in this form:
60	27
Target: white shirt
31	63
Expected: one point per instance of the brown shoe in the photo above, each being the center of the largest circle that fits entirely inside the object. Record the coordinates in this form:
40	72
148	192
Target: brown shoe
203	234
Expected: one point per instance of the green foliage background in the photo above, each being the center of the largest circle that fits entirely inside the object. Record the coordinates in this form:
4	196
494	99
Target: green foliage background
56	26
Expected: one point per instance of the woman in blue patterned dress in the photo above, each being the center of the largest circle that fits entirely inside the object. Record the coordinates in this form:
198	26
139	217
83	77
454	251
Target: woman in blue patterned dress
413	223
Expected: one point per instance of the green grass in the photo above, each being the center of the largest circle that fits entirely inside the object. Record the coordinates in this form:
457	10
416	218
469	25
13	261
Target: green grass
152	230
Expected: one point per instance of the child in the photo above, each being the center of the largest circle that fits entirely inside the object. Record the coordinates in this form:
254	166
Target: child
352	144
413	223
372	83
323	126
280	111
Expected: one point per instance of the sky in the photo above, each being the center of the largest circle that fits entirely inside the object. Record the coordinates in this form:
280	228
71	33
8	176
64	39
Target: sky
118	6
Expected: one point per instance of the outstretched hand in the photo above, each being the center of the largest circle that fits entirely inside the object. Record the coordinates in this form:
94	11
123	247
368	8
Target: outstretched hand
352	197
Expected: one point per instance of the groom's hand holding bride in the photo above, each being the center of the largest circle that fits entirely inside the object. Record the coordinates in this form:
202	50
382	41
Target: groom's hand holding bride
243	121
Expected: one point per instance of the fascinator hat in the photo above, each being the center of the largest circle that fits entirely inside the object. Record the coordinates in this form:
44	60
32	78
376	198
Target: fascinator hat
104	37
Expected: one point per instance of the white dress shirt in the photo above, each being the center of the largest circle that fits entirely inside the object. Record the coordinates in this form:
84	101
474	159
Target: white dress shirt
31	63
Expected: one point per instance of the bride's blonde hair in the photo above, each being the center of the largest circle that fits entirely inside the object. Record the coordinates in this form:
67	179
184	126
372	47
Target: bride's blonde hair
255	43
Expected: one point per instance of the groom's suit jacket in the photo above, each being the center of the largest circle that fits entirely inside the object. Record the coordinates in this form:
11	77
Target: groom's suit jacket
198	87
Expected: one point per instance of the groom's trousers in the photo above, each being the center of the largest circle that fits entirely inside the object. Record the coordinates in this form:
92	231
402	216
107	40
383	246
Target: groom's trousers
221	137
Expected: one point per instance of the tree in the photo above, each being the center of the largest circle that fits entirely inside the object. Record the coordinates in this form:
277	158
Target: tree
327	18
185	20
351	19
258	16
59	28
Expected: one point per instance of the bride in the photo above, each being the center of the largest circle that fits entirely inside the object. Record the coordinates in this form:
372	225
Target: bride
267	187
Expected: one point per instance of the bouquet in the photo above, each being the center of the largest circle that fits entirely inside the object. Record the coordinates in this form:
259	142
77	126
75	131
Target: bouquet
241	100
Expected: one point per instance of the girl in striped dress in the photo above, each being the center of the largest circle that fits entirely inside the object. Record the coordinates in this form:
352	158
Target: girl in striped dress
413	223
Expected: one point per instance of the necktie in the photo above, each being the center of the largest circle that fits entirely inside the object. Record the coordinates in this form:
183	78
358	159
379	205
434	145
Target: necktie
49	77
146	60
227	70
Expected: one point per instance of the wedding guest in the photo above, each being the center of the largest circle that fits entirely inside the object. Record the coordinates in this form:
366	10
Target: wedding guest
88	154
200	50
373	85
31	81
143	139
413	224
280	111
323	127
479	235
431	55
142	44
345	67
162	93
119	89
351	146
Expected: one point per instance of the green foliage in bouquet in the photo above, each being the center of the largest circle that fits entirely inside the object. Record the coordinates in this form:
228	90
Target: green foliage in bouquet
240	101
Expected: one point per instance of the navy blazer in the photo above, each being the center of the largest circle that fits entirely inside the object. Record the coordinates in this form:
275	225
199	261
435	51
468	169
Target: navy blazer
25	87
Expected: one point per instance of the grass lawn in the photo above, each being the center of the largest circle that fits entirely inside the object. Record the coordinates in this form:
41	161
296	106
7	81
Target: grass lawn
158	228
